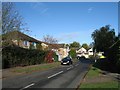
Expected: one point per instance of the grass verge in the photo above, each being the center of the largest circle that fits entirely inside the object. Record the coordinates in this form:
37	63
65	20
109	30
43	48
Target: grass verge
93	72
29	69
94	79
110	84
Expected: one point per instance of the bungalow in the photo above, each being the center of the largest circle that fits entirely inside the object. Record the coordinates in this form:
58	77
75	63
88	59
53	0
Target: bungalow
20	39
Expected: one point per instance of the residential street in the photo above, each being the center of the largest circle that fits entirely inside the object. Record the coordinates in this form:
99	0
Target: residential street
59	45
66	76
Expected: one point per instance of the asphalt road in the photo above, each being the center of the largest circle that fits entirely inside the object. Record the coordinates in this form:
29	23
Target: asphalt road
66	76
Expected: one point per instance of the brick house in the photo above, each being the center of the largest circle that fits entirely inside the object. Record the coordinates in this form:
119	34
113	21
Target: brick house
20	39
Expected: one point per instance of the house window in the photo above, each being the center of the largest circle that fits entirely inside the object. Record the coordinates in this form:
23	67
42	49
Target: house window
25	43
33	43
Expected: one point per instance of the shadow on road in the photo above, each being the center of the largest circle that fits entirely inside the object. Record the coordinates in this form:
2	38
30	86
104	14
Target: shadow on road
86	60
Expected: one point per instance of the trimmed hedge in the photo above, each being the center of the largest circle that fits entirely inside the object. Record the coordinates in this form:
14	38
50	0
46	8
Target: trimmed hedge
13	56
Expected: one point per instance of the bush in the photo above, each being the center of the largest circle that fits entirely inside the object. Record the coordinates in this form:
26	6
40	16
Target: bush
13	56
55	57
118	65
39	46
113	55
50	57
32	46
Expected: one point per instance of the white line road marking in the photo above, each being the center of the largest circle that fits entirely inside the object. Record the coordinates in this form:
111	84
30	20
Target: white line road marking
68	68
76	64
28	86
55	74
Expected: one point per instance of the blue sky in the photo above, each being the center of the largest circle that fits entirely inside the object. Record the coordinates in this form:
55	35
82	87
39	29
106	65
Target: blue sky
68	21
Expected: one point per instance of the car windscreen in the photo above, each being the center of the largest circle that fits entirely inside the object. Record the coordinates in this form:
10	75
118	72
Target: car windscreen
66	59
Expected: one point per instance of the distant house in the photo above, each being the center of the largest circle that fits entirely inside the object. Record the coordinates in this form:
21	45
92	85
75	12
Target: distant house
62	53
20	39
90	51
60	50
82	52
100	53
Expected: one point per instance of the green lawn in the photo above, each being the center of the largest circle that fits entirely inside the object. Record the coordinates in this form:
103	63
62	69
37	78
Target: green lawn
93	72
111	84
94	75
29	69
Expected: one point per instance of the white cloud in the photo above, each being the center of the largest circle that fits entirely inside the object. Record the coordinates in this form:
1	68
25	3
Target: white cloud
40	7
44	10
90	9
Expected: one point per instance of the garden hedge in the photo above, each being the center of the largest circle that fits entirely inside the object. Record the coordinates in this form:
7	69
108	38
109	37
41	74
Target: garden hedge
13	56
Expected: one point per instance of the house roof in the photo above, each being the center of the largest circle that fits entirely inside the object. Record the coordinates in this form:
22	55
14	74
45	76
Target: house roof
81	50
56	46
19	35
91	49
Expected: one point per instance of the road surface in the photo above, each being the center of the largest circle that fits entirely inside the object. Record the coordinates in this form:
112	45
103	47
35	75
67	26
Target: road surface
66	76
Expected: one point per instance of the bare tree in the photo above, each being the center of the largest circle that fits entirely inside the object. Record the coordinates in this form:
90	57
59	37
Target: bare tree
11	19
50	39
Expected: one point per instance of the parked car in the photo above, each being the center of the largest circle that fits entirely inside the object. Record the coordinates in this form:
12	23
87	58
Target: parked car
66	61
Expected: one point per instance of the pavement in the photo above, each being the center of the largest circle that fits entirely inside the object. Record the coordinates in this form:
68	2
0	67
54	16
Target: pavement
66	76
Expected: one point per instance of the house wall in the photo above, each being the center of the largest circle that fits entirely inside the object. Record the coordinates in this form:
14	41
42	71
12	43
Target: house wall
15	42
24	43
90	53
62	53
34	44
44	46
84	52
100	53
81	50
